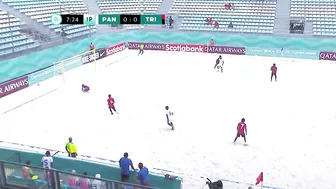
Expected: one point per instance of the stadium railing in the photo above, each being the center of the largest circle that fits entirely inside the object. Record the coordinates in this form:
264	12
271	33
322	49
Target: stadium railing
11	176
108	169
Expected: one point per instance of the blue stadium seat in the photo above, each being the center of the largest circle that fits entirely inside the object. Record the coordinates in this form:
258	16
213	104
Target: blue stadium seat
321	12
11	39
246	16
42	10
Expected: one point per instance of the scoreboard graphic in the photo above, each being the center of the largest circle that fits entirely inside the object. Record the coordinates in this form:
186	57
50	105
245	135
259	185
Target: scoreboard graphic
111	19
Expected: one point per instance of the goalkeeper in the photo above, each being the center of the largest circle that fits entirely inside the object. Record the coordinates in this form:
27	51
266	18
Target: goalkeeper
141	48
85	88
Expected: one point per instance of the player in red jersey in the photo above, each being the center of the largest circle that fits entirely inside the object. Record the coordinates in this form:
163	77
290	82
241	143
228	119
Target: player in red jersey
110	103
241	130
274	70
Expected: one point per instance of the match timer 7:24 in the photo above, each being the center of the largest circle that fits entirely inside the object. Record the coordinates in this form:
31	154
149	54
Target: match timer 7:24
67	19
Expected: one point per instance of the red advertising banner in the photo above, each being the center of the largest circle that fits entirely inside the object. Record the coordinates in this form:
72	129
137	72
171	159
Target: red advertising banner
148	46
189	48
327	56
115	49
13	86
226	50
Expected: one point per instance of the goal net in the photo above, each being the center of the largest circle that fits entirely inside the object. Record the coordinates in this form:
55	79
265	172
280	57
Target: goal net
69	64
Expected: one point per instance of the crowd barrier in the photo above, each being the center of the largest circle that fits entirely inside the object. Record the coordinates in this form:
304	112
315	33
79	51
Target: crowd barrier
109	169
11	176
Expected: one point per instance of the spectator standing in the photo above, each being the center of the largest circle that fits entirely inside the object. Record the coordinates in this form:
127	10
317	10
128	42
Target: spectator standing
73	181
62	32
71	148
143	175
67	146
125	163
230	25
47	161
212	42
208	21
216	25
91	46
84	183
171	21
228	6
97	184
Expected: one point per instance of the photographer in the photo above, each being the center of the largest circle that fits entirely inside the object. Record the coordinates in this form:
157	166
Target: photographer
214	185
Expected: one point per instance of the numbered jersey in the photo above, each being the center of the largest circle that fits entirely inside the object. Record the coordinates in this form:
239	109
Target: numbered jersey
46	162
241	128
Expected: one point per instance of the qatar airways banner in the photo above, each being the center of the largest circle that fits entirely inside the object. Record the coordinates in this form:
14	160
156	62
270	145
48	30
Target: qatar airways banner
115	49
148	46
13	86
226	50
327	56
188	48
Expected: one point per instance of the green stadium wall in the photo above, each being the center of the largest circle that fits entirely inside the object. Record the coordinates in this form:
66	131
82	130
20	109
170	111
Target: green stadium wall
92	168
255	45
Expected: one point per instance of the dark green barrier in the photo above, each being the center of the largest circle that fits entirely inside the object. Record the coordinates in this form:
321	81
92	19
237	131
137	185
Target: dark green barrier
92	168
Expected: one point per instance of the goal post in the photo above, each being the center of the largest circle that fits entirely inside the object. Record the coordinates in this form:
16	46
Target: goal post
74	62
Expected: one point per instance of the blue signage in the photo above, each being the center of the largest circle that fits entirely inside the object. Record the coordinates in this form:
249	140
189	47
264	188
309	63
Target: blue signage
303	54
47	73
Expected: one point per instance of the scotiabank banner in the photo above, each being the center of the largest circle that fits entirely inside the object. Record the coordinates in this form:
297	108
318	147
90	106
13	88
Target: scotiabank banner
185	48
13	86
327	56
189	48
226	50
115	49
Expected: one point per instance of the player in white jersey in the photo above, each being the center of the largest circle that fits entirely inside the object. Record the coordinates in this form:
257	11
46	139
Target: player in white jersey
47	161
169	116
219	64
